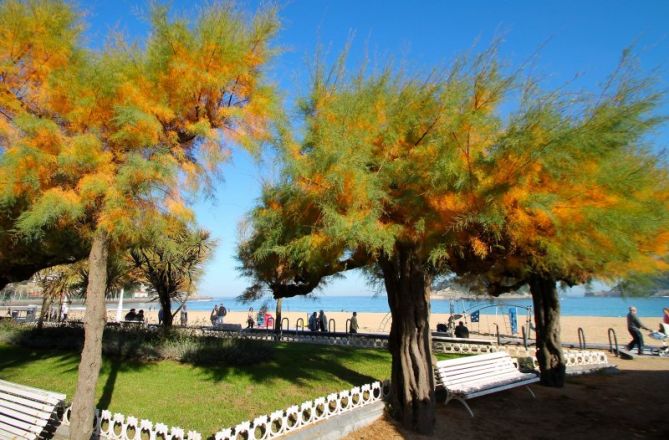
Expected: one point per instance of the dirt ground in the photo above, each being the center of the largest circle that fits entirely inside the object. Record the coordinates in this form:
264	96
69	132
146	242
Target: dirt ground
630	404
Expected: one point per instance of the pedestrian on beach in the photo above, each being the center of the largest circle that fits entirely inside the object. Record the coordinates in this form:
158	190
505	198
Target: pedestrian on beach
64	310
322	322
634	327
665	315
131	315
250	322
222	311
213	316
313	322
184	316
353	328
161	315
461	331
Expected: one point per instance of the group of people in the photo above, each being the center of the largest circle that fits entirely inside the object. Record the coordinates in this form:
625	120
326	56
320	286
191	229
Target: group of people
319	322
217	315
132	315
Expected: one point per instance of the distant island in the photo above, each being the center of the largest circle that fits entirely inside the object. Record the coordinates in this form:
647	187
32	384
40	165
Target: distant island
617	293
457	292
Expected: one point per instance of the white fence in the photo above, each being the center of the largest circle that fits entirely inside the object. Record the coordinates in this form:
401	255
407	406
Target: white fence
295	417
120	427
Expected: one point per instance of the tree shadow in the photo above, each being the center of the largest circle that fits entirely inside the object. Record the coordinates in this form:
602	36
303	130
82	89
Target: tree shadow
299	363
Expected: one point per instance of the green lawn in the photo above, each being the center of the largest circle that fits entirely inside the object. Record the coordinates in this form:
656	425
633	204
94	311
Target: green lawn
201	397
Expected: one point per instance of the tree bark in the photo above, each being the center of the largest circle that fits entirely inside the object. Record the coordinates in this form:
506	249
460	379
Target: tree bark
166	305
83	403
412	399
44	311
547	319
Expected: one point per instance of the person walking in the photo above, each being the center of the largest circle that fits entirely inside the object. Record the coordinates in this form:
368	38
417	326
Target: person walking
313	322
353	327
322	322
634	327
184	316
64	310
222	311
213	316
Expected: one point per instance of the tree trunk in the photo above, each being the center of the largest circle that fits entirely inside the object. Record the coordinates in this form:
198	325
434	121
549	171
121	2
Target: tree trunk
412	399
83	403
277	321
547	319
44	311
166	305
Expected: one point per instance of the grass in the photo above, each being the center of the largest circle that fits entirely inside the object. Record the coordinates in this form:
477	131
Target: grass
205	398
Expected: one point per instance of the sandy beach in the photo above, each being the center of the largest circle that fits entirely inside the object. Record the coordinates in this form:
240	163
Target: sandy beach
595	328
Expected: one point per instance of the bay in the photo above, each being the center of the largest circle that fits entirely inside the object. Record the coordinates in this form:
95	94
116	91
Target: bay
570	306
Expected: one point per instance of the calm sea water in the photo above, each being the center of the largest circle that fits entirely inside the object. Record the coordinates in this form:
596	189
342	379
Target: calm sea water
570	306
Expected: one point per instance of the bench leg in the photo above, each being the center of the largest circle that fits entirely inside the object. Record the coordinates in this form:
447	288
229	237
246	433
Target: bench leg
450	397
530	390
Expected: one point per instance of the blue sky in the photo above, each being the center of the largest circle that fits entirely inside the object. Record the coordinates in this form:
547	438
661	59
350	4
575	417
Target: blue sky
578	42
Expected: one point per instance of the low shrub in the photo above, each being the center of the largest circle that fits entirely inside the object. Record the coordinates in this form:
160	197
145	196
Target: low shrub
141	344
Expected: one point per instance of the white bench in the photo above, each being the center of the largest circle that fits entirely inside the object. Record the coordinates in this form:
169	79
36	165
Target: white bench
472	376
28	413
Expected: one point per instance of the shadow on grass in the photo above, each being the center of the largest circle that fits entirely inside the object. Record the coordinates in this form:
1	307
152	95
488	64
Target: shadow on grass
218	360
299	363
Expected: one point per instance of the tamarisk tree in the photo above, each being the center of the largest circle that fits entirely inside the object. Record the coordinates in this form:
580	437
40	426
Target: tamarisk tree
412	178
103	143
575	194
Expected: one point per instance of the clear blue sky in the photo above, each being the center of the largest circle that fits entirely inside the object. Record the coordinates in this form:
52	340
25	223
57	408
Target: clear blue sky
582	39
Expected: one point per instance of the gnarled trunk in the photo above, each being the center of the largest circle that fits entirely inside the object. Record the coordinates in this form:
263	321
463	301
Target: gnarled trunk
83	403
547	319
412	399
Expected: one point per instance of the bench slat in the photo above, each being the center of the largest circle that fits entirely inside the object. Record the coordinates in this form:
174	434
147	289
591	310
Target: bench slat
26	412
490	378
26	402
13	433
459	369
473	359
15	413
31	393
445	366
502	388
19	427
491	382
4	435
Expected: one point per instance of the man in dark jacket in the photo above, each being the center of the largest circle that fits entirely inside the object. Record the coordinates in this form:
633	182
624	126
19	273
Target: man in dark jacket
461	331
634	326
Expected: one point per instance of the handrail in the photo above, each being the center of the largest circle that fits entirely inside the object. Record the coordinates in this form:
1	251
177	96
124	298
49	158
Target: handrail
581	338
300	321
334	325
348	325
287	323
612	341
267	322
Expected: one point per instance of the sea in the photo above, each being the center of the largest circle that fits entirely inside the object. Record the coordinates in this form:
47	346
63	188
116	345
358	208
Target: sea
569	305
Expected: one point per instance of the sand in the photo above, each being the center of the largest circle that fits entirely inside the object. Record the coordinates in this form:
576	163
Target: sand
595	328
